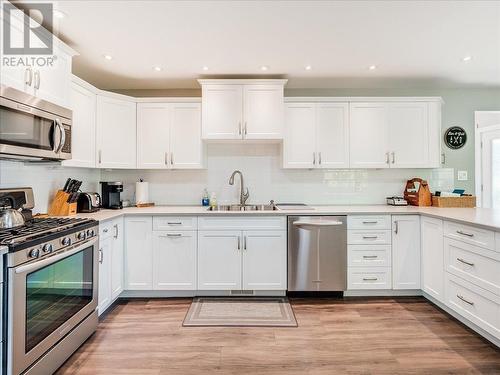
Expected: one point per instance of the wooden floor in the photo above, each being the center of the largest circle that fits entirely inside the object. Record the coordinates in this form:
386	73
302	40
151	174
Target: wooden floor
353	336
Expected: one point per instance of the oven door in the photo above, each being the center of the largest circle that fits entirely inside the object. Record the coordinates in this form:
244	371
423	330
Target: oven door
47	299
33	133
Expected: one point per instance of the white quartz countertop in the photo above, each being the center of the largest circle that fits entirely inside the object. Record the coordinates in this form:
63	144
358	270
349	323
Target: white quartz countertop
484	217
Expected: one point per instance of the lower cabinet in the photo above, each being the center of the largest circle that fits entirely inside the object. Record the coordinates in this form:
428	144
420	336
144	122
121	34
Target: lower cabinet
406	252
138	253
110	265
432	257
174	260
242	260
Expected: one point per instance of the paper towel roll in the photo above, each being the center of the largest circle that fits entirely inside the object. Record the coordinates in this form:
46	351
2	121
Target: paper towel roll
141	192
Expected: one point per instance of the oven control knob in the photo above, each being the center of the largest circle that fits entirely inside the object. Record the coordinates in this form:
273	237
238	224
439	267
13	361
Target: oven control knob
66	241
81	236
90	232
34	253
48	248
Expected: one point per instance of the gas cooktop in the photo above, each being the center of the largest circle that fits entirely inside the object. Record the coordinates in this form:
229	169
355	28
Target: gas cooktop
39	230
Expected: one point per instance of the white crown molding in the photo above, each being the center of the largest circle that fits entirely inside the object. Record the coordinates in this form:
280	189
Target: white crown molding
328	99
242	81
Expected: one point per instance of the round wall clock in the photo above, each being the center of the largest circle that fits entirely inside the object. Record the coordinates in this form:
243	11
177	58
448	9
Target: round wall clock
455	137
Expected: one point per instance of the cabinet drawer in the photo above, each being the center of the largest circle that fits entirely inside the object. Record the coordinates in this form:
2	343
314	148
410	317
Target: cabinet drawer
369	222
475	264
369	255
175	223
477	305
242	223
105	229
369	237
469	234
369	278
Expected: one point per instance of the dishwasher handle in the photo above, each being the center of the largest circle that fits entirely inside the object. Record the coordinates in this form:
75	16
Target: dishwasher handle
318	223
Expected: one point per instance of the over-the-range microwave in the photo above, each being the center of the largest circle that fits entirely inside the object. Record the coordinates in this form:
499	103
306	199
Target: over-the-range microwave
32	128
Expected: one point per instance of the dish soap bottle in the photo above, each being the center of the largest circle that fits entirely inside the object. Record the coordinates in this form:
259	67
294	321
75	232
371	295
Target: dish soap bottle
205	202
213	200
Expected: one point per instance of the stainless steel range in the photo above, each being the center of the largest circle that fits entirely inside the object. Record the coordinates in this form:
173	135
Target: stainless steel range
50	291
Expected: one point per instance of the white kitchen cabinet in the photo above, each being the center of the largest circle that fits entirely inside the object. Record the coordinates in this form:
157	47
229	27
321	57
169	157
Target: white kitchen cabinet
394	134
169	136
138	253
406	252
219	260
369	135
264	260
83	128
242	109
263	111
222	111
186	148
105	262
409	135
316	135
116	132
174	260
432	257
117	259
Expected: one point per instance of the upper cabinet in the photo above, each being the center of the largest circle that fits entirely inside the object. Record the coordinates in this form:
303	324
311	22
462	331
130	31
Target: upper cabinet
169	136
83	100
48	77
316	135
116	131
395	134
242	109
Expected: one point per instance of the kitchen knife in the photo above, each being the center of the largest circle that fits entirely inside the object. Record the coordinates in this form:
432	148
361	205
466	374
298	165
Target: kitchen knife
66	185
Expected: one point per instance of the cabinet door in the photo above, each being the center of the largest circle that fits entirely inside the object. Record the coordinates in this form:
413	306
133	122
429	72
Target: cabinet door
264	260
83	105
263	112
408	135
186	149
406	252
153	135
53	83
222	109
174	260
432	257
117	259
300	136
104	288
332	137
369	138
116	133
138	253
219	260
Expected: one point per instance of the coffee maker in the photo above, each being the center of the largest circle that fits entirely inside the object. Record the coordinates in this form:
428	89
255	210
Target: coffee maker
111	194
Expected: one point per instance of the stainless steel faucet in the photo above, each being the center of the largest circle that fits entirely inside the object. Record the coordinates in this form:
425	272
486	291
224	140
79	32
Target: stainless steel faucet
244	194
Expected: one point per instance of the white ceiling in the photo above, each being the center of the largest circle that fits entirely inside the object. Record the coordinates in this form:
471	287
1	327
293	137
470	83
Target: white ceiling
412	43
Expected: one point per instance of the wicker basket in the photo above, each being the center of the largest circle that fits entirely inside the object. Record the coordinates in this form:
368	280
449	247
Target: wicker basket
464	202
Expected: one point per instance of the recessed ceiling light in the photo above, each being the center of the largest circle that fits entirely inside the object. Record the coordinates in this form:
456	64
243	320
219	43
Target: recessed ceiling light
108	57
372	67
466	58
205	68
264	68
157	68
308	67
58	14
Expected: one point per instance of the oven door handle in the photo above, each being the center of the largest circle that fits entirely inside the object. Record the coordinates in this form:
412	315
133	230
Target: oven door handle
62	135
46	262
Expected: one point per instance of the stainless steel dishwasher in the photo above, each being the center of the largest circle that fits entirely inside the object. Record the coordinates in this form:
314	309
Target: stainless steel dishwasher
317	253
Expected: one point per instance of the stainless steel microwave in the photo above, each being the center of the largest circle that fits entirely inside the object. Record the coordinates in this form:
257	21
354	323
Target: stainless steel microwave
32	128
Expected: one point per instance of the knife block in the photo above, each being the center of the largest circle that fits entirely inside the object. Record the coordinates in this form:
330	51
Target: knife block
60	205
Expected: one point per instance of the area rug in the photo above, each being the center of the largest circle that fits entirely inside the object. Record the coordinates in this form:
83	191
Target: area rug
240	312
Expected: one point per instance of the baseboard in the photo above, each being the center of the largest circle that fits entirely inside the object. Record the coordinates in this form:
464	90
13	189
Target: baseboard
196	293
382	293
488	336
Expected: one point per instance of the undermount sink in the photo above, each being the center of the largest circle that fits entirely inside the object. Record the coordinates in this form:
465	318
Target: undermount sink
246	207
